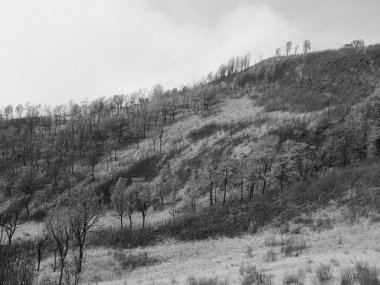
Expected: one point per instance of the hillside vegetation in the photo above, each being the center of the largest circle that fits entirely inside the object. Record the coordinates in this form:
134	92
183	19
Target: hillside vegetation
153	182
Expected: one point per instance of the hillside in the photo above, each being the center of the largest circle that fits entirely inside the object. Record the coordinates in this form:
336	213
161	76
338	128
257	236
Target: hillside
270	169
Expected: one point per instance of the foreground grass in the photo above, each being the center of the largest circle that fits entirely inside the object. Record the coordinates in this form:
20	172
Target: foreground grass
226	259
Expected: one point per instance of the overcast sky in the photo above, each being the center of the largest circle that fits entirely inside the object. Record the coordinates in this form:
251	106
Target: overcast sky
52	51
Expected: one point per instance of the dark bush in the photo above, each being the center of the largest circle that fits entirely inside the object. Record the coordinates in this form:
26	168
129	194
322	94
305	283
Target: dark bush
205	281
324	273
130	262
205	131
15	266
147	168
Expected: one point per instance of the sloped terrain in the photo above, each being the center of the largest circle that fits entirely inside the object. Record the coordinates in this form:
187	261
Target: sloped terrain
284	152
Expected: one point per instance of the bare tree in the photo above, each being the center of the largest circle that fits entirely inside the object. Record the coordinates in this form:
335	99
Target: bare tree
84	213
193	191
209	177
40	241
9	219
142	192
121	201
58	226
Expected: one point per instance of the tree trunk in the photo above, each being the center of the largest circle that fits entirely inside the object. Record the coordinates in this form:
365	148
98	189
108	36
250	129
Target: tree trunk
264	184
61	273
143	225
55	261
130	221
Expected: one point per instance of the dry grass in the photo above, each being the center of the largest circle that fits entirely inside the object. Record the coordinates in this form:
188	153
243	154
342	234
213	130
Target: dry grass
222	258
270	256
294	278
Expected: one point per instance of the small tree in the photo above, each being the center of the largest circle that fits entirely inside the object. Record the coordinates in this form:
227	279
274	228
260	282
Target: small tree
358	44
306	46
9	219
122	204
142	193
40	242
288	47
209	177
296	49
173	203
162	189
278	52
194	190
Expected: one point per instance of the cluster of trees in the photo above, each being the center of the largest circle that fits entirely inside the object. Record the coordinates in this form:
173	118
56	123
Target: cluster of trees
126	199
232	67
66	227
138	196
45	146
288	48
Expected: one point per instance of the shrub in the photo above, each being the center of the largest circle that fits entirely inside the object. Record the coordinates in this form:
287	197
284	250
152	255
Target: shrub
294	278
274	241
204	132
324	273
361	274
38	215
293	246
250	251
15	266
270	256
366	275
254	277
130	261
347	277
205	281
147	168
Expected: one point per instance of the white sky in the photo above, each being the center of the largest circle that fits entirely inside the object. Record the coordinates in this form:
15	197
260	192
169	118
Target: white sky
52	51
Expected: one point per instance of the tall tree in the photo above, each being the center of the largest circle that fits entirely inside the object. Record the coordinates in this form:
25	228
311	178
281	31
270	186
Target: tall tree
58	226
306	46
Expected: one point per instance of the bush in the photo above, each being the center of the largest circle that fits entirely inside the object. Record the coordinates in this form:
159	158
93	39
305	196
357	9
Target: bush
125	238
324	273
15	267
38	215
130	262
147	168
250	251
205	281
293	246
204	132
366	275
347	277
274	241
270	256
361	274
254	277
294	278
